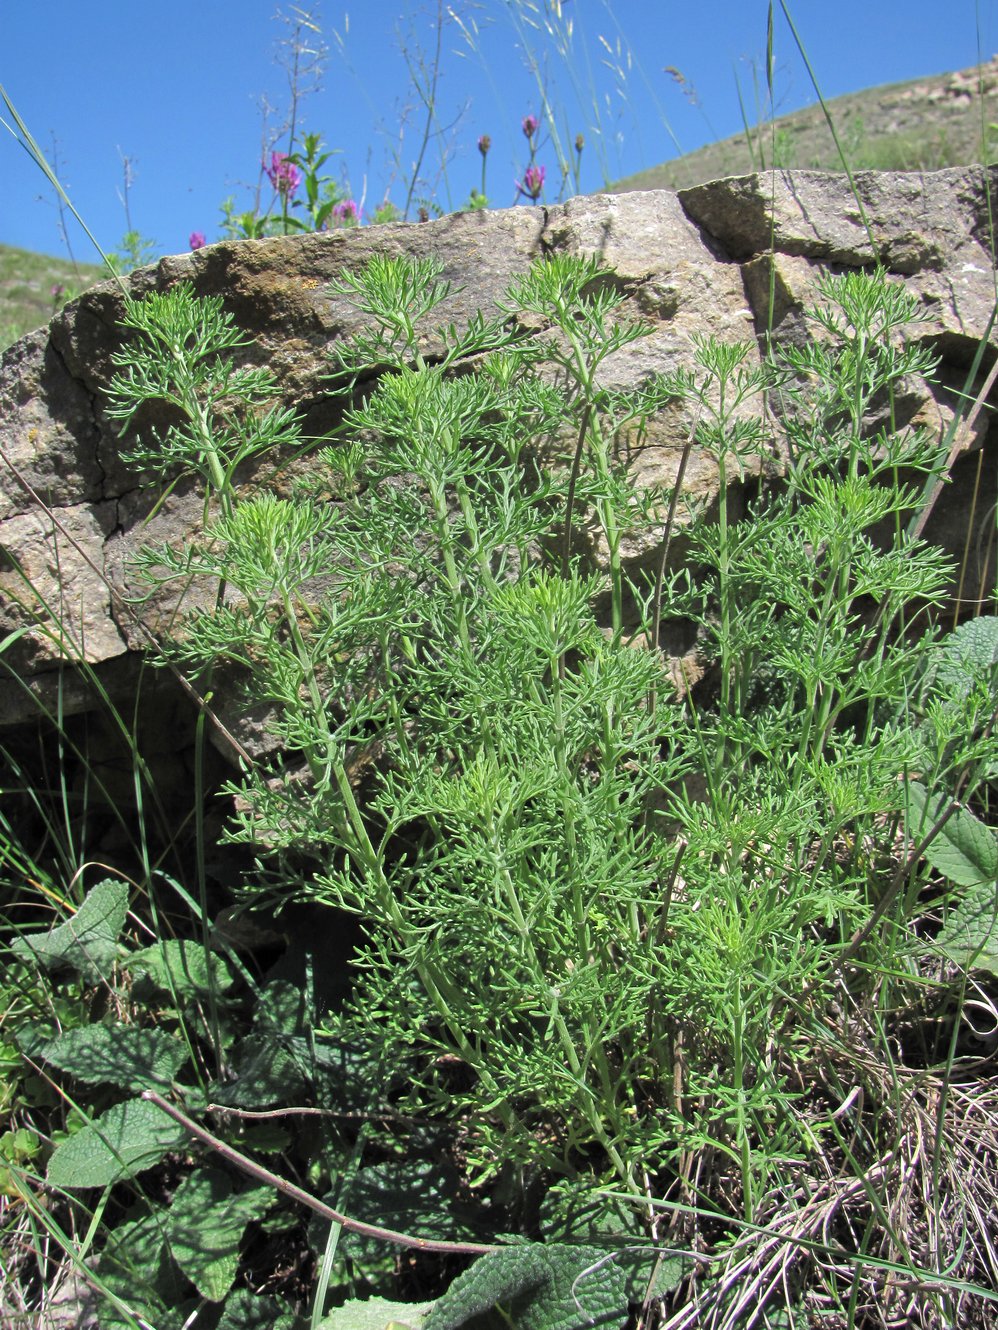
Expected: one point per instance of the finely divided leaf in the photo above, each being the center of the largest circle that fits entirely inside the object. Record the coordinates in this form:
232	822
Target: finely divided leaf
120	1143
121	1055
538	1287
88	942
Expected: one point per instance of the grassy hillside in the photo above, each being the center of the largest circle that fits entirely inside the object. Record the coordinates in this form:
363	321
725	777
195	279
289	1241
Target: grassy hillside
922	125
26	288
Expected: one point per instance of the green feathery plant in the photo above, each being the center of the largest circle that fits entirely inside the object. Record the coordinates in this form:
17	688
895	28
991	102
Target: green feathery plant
621	950
186	365
624	922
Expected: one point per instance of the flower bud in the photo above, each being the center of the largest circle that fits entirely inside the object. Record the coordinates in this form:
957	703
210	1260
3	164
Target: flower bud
532	182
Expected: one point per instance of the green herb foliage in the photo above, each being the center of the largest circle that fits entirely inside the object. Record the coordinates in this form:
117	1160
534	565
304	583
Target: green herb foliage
616	939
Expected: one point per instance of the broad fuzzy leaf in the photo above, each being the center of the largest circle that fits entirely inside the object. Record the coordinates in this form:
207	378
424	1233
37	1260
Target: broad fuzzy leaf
136	1267
119	1144
968	654
205	1227
554	1287
970	935
965	851
245	1311
266	1074
577	1210
415	1196
270	1062
121	1055
376	1314
88	942
182	965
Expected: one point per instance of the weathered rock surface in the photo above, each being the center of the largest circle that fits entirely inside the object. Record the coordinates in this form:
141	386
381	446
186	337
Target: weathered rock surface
72	515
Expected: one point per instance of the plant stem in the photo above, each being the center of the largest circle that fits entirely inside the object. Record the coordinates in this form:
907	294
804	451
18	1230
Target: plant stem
286	1188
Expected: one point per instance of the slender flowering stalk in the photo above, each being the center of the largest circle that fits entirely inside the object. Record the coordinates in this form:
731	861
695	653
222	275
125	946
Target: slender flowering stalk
533	176
283	175
484	144
346	214
532	183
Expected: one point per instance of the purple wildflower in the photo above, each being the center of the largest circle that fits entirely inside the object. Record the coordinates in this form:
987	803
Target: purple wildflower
484	144
533	182
283	174
196	240
57	291
530	126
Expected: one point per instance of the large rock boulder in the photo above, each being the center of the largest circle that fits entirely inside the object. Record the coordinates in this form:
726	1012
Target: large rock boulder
737	258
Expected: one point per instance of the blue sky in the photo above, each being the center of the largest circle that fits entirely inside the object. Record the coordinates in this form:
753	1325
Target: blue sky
177	90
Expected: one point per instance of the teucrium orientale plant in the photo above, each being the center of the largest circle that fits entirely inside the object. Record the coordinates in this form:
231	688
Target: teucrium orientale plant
600	919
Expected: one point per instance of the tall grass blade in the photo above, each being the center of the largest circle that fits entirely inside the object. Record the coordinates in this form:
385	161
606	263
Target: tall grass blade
26	139
829	121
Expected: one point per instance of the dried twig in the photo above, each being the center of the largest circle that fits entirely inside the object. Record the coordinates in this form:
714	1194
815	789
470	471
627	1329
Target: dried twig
289	1189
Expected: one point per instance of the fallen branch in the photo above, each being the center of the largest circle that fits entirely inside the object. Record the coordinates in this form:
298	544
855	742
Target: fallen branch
303	1197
